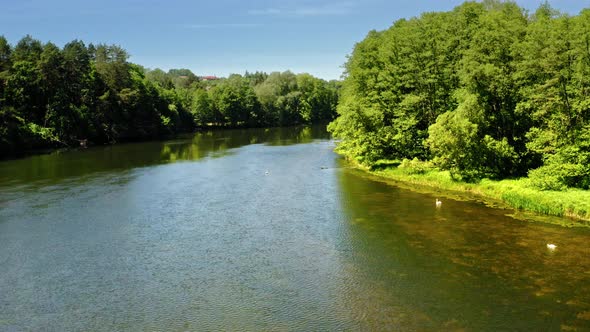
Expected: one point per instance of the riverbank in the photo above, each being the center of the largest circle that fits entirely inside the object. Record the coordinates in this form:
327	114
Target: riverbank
572	204
199	129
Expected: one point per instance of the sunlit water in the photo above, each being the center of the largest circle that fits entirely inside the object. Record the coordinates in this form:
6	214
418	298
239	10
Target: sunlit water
256	230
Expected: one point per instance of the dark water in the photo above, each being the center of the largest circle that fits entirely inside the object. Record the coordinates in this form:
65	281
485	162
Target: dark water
267	230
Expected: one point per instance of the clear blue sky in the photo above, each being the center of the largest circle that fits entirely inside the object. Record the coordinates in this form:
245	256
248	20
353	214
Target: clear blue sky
218	37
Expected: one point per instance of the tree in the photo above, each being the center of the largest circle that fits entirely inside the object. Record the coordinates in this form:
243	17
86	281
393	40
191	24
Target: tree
160	77
553	76
182	78
203	110
5	65
112	66
318	99
236	101
27	49
272	93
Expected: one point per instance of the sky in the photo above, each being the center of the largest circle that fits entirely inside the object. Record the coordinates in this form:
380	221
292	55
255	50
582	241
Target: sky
219	37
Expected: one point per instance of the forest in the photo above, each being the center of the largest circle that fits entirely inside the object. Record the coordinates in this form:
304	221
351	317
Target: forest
487	90
52	97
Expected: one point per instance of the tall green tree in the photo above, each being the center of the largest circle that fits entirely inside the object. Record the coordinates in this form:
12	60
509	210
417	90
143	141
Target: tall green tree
555	88
236	101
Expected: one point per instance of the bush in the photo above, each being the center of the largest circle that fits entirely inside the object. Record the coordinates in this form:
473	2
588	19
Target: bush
541	179
415	166
559	177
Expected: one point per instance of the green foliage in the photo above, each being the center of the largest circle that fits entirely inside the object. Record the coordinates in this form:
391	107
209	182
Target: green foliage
570	168
159	77
182	78
202	108
27	49
60	97
398	82
415	166
261	99
46	134
13	131
235	100
545	178
453	141
484	91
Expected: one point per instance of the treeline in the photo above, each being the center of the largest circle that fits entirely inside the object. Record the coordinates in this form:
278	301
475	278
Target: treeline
486	90
253	99
78	94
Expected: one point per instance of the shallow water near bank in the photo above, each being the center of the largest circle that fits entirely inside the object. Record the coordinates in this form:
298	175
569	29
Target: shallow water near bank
267	230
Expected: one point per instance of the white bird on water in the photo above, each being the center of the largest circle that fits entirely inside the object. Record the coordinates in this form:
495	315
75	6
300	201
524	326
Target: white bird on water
551	246
438	203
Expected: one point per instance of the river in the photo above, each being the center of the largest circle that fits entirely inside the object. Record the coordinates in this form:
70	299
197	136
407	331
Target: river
267	229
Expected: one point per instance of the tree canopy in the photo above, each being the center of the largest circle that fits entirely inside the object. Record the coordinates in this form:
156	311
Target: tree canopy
485	90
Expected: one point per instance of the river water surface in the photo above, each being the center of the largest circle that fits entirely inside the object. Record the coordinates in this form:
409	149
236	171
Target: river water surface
255	230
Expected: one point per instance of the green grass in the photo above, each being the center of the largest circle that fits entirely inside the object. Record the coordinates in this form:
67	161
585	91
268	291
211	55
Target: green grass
518	194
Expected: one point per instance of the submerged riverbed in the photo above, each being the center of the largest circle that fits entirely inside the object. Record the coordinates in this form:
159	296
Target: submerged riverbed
267	230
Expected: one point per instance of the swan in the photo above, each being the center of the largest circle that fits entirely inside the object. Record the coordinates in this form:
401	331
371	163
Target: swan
438	203
551	246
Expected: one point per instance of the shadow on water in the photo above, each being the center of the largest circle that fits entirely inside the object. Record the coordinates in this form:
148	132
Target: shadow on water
214	143
460	266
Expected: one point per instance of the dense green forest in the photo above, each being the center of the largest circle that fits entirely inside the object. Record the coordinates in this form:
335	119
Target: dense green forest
487	90
61	97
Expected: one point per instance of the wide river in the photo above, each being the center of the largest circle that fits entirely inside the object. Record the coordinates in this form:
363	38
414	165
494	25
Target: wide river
267	230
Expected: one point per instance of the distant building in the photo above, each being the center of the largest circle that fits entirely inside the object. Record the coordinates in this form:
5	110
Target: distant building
209	78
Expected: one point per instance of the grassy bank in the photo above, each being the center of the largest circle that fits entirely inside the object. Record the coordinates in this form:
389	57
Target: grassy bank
518	194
